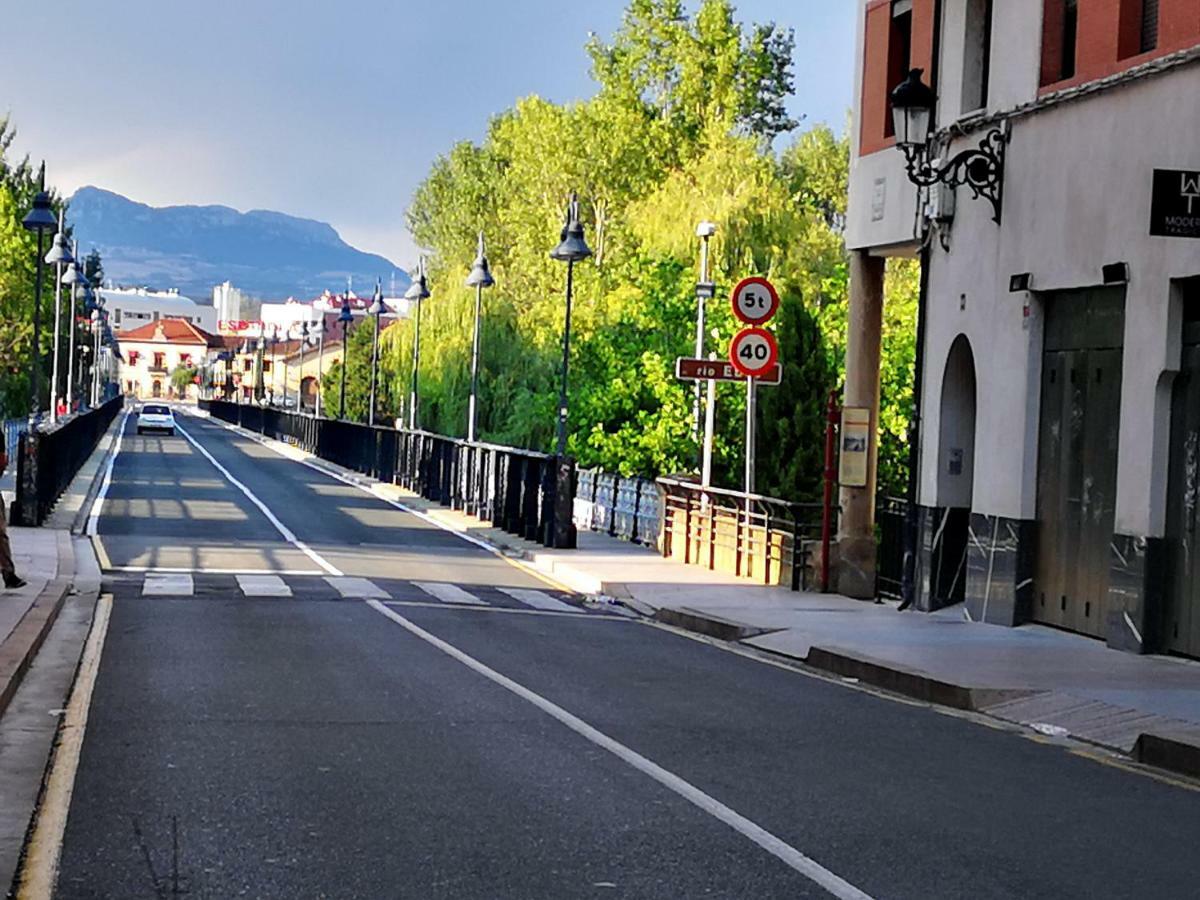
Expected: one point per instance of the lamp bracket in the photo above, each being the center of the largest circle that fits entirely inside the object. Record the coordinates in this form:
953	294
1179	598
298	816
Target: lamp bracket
981	169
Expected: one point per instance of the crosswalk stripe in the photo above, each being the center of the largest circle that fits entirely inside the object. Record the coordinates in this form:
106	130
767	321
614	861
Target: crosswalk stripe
538	600
168	585
358	588
263	586
449	593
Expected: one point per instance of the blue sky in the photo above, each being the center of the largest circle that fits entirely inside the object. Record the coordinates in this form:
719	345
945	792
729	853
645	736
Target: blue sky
330	109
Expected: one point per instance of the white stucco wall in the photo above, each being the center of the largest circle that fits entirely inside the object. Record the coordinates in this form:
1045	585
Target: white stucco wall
1077	196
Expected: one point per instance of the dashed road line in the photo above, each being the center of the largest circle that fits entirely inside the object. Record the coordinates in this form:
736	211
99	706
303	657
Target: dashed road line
538	600
168	585
357	588
449	593
263	586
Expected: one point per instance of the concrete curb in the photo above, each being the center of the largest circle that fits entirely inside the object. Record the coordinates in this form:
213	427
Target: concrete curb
1168	752
19	649
704	623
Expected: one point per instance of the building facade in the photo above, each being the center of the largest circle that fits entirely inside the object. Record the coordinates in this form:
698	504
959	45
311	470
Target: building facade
130	308
1061	377
152	353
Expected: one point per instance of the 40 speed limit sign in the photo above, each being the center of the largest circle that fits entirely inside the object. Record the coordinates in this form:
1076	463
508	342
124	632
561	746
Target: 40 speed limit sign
754	352
755	301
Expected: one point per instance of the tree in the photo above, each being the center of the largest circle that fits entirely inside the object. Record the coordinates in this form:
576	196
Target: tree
182	378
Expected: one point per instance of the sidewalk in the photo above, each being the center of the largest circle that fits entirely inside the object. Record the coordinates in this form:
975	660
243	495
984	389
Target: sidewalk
1057	683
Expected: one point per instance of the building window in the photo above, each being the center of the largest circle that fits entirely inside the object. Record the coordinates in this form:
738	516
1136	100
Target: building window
977	53
160	360
247	364
899	57
1060	32
266	365
1139	27
117	315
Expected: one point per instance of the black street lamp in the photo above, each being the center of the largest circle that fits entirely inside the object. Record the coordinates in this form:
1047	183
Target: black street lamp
345	317
300	384
378	308
59	257
79	286
480	278
416	294
572	248
39	219
981	169
260	382
274	370
97	327
320	364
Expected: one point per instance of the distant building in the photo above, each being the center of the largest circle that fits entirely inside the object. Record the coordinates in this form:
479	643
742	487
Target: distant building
130	308
227	301
287	319
154	350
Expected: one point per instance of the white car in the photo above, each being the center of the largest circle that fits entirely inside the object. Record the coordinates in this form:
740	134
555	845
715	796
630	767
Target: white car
155	417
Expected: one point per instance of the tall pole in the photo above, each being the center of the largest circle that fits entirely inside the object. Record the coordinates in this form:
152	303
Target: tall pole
300	383
472	403
710	414
413	396
286	337
566	359
345	360
58	275
751	437
96	361
274	370
72	325
701	296
320	364
374	369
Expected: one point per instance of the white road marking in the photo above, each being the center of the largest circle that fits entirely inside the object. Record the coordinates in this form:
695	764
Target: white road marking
98	504
803	864
40	869
279	526
358	588
205	571
539	600
294	454
449	593
263	586
161	584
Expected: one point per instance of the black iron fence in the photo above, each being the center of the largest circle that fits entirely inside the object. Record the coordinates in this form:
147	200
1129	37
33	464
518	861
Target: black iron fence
889	561
762	538
520	491
48	460
628	508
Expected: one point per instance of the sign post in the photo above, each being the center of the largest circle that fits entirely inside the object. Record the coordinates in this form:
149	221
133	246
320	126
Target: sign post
754	353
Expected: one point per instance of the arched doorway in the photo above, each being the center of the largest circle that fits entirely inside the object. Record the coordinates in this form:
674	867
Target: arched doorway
156	388
955	475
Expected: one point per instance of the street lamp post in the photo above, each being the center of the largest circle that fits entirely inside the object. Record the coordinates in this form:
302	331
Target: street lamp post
300	383
260	386
416	294
345	317
705	291
378	308
95	358
39	219
59	256
274	370
287	336
480	278
76	278
571	249
320	363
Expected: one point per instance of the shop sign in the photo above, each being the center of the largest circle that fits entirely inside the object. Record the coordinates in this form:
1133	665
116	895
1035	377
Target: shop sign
1175	205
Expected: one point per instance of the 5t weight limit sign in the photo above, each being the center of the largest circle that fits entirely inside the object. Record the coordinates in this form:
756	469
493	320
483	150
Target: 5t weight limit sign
754	352
755	301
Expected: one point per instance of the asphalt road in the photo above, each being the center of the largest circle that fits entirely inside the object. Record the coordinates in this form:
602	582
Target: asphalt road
471	732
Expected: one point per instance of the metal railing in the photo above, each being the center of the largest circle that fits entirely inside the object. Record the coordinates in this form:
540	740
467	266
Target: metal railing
520	491
890	514
762	538
12	433
47	460
628	508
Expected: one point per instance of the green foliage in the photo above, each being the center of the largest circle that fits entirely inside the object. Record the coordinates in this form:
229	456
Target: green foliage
18	274
680	130
182	377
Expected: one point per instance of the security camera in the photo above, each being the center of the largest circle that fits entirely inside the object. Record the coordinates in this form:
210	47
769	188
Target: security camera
706	229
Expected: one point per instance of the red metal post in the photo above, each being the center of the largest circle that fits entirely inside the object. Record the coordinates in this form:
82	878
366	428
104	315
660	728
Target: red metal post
832	416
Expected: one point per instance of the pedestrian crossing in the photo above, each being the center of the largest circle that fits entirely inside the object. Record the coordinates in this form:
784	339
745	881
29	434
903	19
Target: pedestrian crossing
265	586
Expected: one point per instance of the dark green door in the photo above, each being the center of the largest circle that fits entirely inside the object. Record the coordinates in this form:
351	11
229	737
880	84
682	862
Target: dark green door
1077	458
1182	616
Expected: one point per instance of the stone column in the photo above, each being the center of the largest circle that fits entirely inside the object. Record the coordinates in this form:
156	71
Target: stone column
856	525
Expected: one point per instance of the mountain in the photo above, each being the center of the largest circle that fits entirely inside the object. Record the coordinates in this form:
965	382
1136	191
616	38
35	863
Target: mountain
267	254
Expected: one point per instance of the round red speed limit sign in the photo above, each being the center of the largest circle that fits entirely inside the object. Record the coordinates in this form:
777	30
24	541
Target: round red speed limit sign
755	301
754	352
